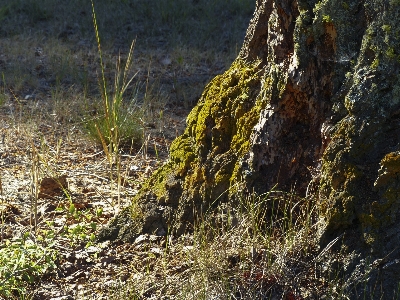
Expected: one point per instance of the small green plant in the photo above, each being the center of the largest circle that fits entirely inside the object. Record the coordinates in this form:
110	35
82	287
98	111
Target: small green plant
119	121
22	262
80	227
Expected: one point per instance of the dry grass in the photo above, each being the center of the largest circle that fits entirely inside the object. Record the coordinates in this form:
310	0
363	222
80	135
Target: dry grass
236	252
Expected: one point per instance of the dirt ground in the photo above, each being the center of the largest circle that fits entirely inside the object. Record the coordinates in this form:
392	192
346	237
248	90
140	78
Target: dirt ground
34	156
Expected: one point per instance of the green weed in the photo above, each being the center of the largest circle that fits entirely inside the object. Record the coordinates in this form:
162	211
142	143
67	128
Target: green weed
22	262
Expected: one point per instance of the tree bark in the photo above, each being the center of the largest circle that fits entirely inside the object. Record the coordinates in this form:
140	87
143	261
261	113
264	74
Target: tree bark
311	105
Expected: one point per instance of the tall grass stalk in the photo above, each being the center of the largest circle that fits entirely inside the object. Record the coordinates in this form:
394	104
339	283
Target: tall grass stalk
34	186
109	133
1	186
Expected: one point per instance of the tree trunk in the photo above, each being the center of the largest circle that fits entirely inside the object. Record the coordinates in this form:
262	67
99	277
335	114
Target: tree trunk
311	105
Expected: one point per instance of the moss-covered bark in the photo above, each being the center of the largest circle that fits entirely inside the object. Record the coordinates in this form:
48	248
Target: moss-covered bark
204	161
312	104
359	179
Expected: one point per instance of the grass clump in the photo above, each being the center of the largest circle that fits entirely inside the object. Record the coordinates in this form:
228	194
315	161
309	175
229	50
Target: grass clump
118	123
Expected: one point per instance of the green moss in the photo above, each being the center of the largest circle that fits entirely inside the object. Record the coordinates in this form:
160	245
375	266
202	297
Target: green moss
379	215
390	169
318	6
382	212
391	53
369	220
182	154
327	19
203	160
344	207
375	63
386	28
156	182
214	123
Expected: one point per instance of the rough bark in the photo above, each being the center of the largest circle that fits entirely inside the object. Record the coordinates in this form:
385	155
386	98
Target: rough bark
312	103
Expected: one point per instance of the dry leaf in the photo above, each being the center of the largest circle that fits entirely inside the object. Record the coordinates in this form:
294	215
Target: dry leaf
52	186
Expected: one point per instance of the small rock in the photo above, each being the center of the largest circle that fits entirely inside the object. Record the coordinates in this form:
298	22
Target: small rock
67	297
141	238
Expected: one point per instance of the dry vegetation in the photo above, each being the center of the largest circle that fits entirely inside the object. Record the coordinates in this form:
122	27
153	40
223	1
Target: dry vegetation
74	149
